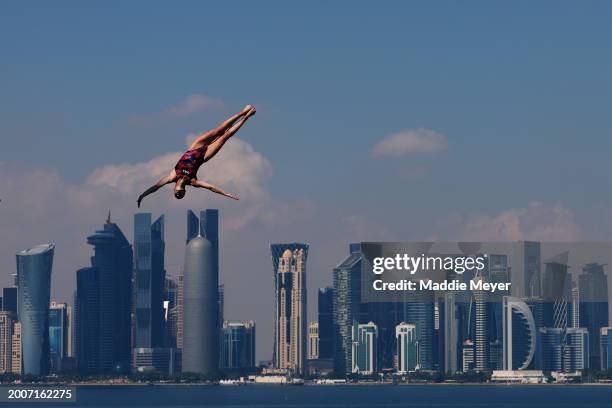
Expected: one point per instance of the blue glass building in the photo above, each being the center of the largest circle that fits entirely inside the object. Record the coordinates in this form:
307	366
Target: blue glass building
58	334
605	348
34	289
238	345
149	274
9	300
325	302
593	288
87	321
104	295
346	307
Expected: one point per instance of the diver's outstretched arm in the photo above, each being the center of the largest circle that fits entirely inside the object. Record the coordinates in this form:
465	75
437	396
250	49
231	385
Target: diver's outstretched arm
162	182
201	184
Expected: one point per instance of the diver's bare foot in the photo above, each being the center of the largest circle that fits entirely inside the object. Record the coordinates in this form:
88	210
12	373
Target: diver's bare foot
251	112
246	109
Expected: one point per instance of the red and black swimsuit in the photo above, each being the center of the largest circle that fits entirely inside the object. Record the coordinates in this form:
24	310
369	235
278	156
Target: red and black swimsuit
190	162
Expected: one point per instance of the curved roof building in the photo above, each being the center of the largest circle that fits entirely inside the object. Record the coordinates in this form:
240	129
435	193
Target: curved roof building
33	293
519	334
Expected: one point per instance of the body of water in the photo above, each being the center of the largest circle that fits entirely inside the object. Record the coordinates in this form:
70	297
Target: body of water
366	396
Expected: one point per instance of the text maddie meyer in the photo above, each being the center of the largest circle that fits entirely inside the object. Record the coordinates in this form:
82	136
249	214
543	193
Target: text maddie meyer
452	285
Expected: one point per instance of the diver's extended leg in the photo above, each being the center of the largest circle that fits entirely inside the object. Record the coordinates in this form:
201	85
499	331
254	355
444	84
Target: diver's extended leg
215	146
207	138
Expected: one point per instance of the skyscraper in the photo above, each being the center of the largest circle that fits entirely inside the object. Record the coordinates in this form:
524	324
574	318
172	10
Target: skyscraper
407	354
177	312
221	317
605	343
467	353
481	346
238	345
364	348
290	345
201	298
577	358
346	307
520	337
419	310
452	339
498	273
550	349
9	300
575	316
526	269
87	321
16	349
593	288
34	290
58	334
313	341
7	320
149	274
104	294
326	322
170	315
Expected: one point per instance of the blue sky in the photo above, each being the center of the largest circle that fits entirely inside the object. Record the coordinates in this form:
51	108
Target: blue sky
521	92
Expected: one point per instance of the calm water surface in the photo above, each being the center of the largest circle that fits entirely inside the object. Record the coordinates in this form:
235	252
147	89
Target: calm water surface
597	396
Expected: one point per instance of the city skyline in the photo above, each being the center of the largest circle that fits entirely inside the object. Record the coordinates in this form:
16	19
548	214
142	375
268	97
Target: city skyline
556	328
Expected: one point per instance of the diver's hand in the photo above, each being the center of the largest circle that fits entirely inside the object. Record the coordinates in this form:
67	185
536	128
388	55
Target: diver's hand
232	196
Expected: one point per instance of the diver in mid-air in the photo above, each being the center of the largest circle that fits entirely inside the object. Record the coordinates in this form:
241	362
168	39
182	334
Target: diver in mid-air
201	150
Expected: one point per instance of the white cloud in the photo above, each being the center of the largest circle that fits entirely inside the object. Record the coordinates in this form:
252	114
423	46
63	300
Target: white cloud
361	228
192	104
534	222
410	141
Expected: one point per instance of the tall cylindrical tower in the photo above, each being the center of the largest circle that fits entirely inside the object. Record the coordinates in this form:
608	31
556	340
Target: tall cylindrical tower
33	293
200	308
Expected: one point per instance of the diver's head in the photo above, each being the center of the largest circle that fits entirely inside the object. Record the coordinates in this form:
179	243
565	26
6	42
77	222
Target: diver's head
179	188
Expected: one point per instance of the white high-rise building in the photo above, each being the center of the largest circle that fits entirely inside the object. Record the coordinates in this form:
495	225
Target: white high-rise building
313	341
290	342
7	320
407	347
16	349
365	350
520	335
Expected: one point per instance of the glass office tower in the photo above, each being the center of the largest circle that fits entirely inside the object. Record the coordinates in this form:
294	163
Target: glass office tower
326	322
58	334
346	307
104	295
149	276
238	345
34	289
